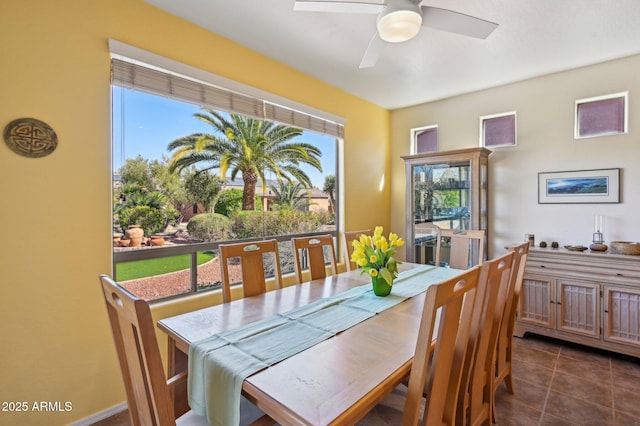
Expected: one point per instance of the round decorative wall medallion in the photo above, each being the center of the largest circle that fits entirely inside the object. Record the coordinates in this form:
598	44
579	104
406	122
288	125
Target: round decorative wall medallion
30	137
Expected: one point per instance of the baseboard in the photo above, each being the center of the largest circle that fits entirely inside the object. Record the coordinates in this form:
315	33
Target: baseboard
105	414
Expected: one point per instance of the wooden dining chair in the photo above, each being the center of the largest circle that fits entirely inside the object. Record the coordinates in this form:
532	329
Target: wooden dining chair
466	247
148	391
313	248
475	404
504	350
348	247
253	256
426	238
440	352
436	374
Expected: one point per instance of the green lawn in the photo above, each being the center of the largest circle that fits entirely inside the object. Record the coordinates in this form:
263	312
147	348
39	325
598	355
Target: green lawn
147	268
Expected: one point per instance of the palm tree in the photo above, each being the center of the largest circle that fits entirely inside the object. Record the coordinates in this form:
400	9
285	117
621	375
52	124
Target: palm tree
248	146
288	196
329	188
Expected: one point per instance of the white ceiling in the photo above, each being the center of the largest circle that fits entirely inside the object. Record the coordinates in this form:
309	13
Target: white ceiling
534	37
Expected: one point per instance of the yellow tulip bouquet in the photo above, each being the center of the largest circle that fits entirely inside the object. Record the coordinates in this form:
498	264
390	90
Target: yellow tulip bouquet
374	254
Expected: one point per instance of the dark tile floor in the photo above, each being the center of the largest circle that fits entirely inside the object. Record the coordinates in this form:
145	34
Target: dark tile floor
558	383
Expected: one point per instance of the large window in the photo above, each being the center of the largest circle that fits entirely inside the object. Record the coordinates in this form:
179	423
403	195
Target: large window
196	164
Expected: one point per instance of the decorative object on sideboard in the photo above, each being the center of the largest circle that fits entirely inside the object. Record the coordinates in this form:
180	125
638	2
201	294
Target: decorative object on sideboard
30	137
543	244
625	247
598	235
576	248
531	238
555	244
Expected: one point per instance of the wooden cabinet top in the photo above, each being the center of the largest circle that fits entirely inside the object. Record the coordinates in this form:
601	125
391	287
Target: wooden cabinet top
597	266
444	156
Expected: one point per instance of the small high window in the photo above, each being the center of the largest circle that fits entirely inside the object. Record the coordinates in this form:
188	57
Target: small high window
498	130
424	139
601	115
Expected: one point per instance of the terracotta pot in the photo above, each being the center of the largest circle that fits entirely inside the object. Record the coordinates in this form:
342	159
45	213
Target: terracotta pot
116	239
135	234
124	243
157	240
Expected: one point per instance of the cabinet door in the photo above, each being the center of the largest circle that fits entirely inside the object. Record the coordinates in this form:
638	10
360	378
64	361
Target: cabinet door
621	315
578	307
536	303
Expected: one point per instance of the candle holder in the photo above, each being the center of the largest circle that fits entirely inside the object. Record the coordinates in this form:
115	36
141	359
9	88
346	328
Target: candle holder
598	236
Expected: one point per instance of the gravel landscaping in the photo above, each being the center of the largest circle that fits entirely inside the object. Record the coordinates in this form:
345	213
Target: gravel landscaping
178	282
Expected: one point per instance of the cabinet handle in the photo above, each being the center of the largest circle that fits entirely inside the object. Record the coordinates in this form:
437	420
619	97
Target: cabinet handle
606	312
619	274
542	266
551	301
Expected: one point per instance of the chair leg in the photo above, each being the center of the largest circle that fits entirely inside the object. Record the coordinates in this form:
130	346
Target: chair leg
508	381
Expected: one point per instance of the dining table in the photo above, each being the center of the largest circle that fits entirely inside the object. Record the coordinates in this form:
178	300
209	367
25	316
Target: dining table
335	380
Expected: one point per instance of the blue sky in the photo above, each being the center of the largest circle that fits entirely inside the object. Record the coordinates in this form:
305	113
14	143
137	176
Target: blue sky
152	122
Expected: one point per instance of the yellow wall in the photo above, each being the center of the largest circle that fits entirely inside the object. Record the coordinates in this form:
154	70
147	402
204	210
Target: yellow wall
56	232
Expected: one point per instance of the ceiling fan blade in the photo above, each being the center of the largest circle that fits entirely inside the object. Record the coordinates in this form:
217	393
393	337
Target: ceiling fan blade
337	6
454	22
373	52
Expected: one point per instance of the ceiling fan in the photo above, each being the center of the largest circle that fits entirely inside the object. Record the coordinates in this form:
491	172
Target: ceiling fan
400	20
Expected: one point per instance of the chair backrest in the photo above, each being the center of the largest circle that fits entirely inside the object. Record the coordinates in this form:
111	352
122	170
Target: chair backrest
134	335
476	402
450	305
348	247
425	240
505	335
466	247
314	249
521	253
252	261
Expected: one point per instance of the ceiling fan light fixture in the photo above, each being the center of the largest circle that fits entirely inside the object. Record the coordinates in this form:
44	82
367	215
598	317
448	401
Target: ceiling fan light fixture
400	21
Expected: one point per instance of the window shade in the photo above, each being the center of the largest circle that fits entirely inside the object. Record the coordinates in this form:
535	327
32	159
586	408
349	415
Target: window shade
601	117
427	141
162	83
500	131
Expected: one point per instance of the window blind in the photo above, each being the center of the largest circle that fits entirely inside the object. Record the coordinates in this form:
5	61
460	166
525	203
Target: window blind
500	131
427	141
159	82
601	117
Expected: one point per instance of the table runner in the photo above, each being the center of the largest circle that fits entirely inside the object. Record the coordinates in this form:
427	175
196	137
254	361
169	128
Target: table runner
219	364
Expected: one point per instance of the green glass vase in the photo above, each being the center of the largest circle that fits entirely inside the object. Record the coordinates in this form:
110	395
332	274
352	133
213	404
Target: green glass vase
380	286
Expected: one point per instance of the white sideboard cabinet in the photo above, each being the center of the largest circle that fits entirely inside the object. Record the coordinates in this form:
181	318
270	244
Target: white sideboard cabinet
583	297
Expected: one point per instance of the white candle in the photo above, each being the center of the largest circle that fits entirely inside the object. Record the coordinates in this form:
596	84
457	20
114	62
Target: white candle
599	223
598	237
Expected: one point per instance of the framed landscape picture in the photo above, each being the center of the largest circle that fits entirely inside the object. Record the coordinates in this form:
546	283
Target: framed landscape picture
579	187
